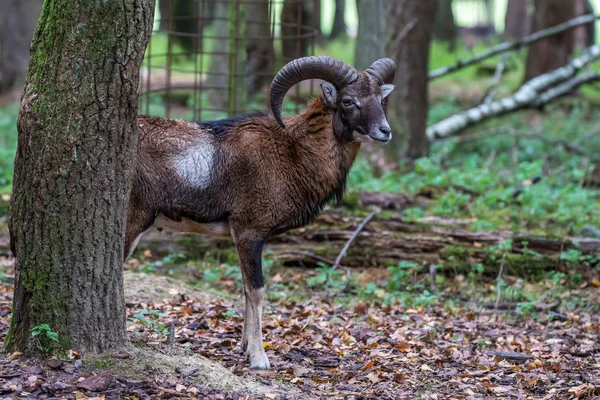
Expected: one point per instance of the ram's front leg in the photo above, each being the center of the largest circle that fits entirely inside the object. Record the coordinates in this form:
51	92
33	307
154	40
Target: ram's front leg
249	247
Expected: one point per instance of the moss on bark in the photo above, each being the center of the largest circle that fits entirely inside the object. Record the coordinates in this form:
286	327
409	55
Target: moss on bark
76	153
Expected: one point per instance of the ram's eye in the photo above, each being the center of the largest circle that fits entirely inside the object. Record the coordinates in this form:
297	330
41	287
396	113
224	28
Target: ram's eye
347	102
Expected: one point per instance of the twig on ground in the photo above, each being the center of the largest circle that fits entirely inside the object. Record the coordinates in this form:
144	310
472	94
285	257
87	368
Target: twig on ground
311	255
513	306
432	275
509	46
533	94
500	279
489	96
173	392
354	235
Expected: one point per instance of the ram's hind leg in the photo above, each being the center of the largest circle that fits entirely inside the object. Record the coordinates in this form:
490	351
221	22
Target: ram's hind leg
138	222
249	247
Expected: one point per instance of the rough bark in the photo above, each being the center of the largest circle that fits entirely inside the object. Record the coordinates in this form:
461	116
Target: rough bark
339	23
76	152
259	47
554	51
17	23
409	101
517	22
445	28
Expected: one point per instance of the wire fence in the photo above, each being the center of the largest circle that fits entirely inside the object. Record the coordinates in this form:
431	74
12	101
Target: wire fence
209	59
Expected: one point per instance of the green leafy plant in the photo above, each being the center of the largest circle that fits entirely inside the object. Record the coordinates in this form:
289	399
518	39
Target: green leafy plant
45	337
149	319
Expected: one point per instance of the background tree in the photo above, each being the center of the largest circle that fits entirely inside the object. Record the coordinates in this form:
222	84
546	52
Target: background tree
339	22
372	36
17	23
405	36
295	15
259	47
585	35
517	21
555	51
78	134
445	28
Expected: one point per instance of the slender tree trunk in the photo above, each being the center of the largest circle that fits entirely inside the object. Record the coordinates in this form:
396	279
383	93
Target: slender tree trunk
78	134
298	18
164	8
517	22
217	76
17	23
411	53
445	28
339	23
259	47
585	36
372	34
555	51
185	23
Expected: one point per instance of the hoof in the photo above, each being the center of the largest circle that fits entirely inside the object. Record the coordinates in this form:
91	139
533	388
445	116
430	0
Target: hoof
258	360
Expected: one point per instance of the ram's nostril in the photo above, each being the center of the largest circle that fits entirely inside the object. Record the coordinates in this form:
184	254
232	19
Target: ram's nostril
385	129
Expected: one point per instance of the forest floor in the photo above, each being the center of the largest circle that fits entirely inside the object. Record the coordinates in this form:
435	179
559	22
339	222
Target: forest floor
328	334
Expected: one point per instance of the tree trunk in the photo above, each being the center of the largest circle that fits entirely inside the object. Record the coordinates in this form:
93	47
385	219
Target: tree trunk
339	23
517	22
185	25
298	18
411	53
259	47
17	23
405	36
585	36
445	28
217	75
78	134
555	51
372	32
164	8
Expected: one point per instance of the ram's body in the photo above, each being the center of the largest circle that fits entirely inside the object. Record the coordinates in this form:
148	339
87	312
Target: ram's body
256	176
195	177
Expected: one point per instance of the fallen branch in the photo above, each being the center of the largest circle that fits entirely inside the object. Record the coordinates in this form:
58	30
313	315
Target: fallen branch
509	46
389	241
349	242
489	96
500	280
535	93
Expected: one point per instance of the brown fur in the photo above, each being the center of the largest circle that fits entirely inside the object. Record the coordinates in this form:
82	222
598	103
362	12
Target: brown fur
249	177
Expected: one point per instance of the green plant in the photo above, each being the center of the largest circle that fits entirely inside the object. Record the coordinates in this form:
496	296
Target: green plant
149	319
45	337
328	278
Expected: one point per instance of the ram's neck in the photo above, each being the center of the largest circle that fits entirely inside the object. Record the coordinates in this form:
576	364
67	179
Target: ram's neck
325	157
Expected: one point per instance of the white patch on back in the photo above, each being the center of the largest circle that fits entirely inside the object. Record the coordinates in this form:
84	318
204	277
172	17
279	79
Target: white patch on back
195	164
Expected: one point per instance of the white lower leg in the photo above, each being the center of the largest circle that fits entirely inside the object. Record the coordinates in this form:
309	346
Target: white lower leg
244	343
252	329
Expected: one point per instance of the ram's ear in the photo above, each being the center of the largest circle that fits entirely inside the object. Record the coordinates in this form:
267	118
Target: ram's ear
329	95
386	90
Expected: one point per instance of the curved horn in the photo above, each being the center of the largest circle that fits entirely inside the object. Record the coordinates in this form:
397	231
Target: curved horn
383	70
328	69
